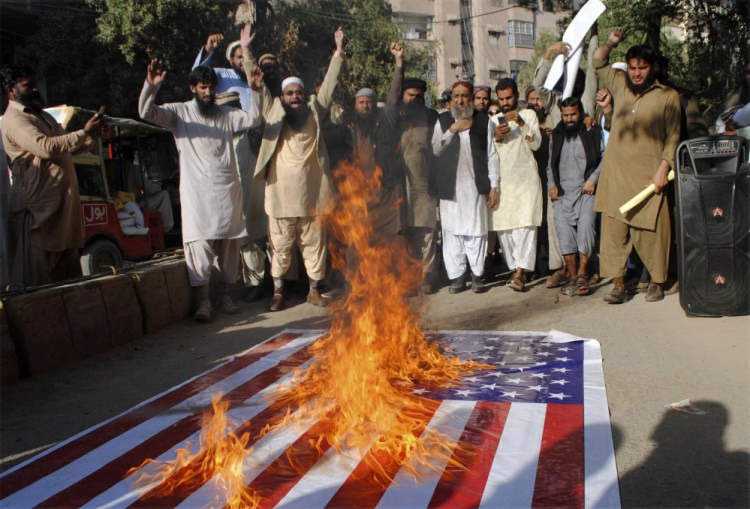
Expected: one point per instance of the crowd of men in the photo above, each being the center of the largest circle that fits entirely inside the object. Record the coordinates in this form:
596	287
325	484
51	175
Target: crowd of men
257	154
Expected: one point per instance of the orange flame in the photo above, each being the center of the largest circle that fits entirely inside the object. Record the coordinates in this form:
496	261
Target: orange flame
220	457
375	349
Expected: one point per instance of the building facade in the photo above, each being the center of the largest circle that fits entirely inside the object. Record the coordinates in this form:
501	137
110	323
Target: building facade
482	40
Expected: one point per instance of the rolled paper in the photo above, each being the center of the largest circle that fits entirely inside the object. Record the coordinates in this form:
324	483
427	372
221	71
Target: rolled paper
638	198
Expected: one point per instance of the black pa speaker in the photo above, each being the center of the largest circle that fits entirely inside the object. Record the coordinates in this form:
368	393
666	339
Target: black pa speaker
713	225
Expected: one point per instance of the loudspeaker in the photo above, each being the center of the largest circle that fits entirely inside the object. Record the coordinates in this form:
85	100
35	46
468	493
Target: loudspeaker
713	225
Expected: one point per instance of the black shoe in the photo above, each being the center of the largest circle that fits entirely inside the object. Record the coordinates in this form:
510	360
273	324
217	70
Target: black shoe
253	293
458	285
476	284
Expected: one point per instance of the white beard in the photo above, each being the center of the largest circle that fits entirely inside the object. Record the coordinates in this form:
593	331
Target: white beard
462	113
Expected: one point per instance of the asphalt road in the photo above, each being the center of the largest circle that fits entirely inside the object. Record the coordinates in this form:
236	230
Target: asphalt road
653	356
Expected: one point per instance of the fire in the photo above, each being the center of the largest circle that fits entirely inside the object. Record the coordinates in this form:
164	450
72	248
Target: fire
375	351
220	457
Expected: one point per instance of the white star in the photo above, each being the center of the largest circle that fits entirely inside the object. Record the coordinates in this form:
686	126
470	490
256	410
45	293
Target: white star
489	347
500	363
539	375
515	380
420	391
484	357
489	386
559	396
561	382
511	394
563	359
497	374
523	358
563	349
464	392
561	370
536	388
540	364
543	353
521	369
506	353
471	379
526	348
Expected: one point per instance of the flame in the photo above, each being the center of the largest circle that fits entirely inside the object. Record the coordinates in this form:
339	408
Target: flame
375	350
220	457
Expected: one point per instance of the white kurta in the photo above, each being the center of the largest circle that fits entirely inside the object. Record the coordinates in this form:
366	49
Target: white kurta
466	213
210	191
520	203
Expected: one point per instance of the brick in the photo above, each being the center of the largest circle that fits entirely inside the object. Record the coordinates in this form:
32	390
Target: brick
151	290
122	307
9	371
178	287
38	324
87	318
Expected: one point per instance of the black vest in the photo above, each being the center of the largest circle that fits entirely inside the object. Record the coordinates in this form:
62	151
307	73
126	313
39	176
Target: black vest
592	143
448	160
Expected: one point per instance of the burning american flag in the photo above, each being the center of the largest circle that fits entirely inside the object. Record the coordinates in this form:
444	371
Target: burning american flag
531	431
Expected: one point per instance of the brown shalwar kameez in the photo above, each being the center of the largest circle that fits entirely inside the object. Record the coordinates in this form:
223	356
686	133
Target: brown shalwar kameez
45	206
645	132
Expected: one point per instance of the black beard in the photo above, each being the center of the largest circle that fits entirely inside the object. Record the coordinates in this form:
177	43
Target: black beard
540	113
207	110
413	107
571	130
364	122
241	74
273	82
32	100
511	107
296	118
640	89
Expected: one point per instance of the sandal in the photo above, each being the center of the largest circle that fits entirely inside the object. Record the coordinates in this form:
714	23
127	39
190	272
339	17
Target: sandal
517	284
559	278
582	285
571	290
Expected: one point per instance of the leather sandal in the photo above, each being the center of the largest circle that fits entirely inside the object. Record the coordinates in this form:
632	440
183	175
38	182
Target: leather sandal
559	278
582	285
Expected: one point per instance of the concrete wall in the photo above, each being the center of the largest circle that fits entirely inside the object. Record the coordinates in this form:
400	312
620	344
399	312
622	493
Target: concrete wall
45	329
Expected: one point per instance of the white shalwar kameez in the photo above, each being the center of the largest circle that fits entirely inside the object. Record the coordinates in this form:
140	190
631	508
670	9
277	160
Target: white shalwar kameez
519	210
464	218
210	191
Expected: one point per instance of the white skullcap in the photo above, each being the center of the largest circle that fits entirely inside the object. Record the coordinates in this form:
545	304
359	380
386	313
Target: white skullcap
291	80
366	92
230	50
620	66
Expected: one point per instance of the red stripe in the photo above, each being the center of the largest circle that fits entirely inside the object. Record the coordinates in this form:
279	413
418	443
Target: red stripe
112	472
560	473
463	487
68	453
285	472
365	486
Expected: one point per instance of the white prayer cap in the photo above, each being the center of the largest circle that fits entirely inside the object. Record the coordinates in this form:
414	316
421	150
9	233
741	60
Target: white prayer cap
291	80
366	92
230	50
620	66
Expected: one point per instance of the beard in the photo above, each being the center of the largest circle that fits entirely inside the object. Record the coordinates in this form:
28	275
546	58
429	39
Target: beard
640	89
296	117
32	100
413	107
571	130
509	107
207	109
241	74
273	82
365	122
462	113
541	114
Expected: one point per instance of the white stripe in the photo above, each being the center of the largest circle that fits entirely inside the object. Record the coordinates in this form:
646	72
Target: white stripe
405	491
601	488
90	462
321	483
127	491
513	472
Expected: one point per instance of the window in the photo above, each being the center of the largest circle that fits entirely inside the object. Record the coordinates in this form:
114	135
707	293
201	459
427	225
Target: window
521	33
496	74
415	27
517	65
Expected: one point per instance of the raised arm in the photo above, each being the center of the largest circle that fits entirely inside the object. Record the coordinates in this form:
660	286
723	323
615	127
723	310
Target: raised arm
394	95
147	108
252	117
325	96
548	97
28	137
207	51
